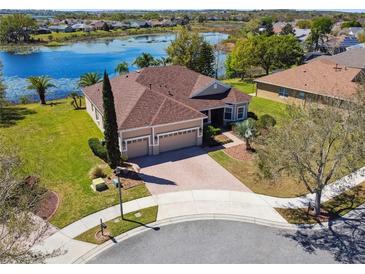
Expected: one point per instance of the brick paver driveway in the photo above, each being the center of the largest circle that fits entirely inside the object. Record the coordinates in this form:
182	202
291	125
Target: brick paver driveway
185	169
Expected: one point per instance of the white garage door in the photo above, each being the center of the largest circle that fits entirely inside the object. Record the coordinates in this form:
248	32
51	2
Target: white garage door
178	140
137	148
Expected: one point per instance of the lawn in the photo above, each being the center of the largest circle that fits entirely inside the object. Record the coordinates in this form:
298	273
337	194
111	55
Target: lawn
118	226
261	106
338	206
247	173
243	86
52	142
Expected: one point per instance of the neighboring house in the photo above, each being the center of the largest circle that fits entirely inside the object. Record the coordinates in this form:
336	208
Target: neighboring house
42	30
354	58
322	80
120	25
309	56
139	24
98	25
61	28
81	27
165	108
302	34
338	44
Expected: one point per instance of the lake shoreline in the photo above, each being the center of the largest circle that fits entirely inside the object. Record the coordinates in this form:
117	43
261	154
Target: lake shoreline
64	64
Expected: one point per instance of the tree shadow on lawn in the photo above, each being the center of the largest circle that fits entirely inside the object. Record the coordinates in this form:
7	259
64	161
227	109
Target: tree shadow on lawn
9	116
344	237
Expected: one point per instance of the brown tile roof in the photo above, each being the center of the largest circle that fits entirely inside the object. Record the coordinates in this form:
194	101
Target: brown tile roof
317	77
160	95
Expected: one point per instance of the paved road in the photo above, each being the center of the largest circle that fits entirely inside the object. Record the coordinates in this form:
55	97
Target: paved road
218	241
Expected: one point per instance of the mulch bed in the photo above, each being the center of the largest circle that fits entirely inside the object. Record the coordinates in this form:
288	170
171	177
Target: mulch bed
239	152
48	205
129	180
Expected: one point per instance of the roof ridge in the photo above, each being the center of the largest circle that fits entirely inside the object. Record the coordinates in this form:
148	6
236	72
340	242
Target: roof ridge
158	111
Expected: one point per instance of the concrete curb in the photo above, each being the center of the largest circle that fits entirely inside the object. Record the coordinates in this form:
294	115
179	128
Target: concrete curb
196	217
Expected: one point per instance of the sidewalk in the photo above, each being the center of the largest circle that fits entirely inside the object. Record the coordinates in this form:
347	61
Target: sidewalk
329	192
187	204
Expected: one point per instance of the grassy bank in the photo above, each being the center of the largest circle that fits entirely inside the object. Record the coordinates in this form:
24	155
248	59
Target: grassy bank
81	35
119	226
52	142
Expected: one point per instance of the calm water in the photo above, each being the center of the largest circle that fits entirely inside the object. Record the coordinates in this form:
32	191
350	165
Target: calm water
65	64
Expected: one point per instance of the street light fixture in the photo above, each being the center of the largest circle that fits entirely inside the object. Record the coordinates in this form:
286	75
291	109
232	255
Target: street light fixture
119	171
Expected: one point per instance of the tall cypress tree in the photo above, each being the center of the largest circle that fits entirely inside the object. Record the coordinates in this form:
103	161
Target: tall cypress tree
110	125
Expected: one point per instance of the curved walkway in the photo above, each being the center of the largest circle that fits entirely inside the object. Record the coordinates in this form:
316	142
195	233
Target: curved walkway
249	206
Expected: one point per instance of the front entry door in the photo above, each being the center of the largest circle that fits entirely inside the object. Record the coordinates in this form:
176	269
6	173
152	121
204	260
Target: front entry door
216	117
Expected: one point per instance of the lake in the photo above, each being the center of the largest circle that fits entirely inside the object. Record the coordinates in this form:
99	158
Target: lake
65	64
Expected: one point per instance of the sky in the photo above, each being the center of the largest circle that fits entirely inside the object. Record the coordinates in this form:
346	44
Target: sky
182	4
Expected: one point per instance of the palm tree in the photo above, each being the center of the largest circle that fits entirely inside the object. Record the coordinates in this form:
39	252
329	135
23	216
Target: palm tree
89	79
40	84
122	68
247	130
76	100
145	60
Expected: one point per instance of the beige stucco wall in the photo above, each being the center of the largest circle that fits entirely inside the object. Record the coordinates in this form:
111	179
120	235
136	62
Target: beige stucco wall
272	92
92	112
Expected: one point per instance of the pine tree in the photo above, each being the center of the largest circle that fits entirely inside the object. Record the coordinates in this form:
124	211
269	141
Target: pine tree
110	125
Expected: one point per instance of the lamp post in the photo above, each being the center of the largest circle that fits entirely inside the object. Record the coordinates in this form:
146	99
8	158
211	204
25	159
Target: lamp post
118	172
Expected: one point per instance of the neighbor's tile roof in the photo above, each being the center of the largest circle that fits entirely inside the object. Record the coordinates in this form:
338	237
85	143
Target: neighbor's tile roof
160	95
318	77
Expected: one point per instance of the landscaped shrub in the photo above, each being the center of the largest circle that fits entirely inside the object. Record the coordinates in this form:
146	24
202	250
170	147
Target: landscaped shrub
209	133
97	172
266	121
98	149
252	115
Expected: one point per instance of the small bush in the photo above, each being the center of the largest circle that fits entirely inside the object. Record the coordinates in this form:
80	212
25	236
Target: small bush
252	115
98	149
266	121
209	133
97	172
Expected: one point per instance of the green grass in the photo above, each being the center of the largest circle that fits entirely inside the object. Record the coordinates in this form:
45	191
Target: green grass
261	106
118	226
52	142
337	206
247	173
243	86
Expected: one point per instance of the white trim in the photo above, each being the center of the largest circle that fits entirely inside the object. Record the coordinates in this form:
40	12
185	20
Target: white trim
135	139
198	134
224	113
243	112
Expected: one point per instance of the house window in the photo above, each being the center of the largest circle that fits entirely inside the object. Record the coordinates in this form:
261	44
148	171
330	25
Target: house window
228	113
92	107
215	86
283	92
240	113
301	95
97	116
